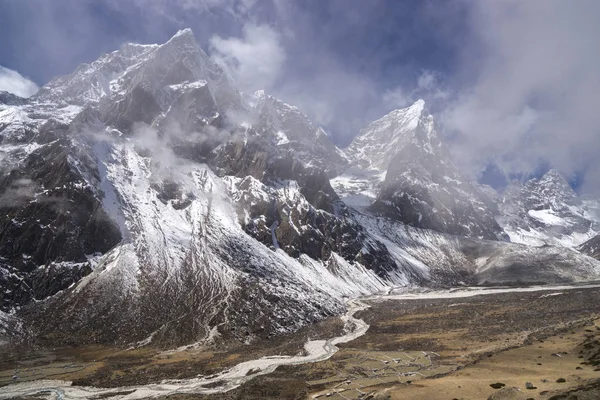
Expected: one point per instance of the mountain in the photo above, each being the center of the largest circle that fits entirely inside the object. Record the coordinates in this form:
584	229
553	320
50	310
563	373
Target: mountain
293	131
546	211
11	99
422	187
146	201
591	247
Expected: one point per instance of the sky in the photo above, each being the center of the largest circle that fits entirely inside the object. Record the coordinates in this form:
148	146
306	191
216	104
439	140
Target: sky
513	84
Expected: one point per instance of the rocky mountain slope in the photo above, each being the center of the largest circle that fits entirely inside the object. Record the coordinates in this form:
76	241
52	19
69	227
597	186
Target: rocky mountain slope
146	200
591	247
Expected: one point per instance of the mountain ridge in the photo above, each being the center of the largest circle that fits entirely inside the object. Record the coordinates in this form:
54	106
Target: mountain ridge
146	200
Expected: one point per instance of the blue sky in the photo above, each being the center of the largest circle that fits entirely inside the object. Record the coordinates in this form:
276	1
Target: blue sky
512	83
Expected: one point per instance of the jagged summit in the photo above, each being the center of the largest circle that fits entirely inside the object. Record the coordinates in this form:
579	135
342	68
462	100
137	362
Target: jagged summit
546	210
551	191
422	186
146	67
185	32
291	130
382	139
184	40
556	189
412	112
553	174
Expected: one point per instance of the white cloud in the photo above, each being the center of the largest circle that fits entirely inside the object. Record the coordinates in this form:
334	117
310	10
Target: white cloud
396	98
427	80
15	83
255	60
534	94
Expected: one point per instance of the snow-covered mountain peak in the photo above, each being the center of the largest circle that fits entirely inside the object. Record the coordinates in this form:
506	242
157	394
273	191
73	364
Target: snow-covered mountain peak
291	130
411	113
552	191
547	210
421	185
184	40
263	100
185	33
553	174
381	140
136	67
556	182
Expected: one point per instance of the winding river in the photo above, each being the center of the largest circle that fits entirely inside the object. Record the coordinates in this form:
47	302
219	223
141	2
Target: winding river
315	350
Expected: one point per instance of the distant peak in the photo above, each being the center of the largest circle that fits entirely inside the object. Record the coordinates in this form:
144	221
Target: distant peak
415	108
554	179
184	36
410	113
418	104
183	32
553	175
553	172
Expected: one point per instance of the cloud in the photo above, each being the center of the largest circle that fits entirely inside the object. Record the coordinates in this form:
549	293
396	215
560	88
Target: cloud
396	98
18	192
427	80
334	60
515	82
15	83
530	87
255	60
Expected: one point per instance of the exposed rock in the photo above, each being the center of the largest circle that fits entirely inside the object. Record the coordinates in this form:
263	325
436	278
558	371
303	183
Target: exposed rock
591	247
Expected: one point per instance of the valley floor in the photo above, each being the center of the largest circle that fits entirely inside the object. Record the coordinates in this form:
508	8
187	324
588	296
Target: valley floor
434	345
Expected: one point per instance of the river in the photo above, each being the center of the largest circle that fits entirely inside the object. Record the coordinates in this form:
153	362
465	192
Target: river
315	350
